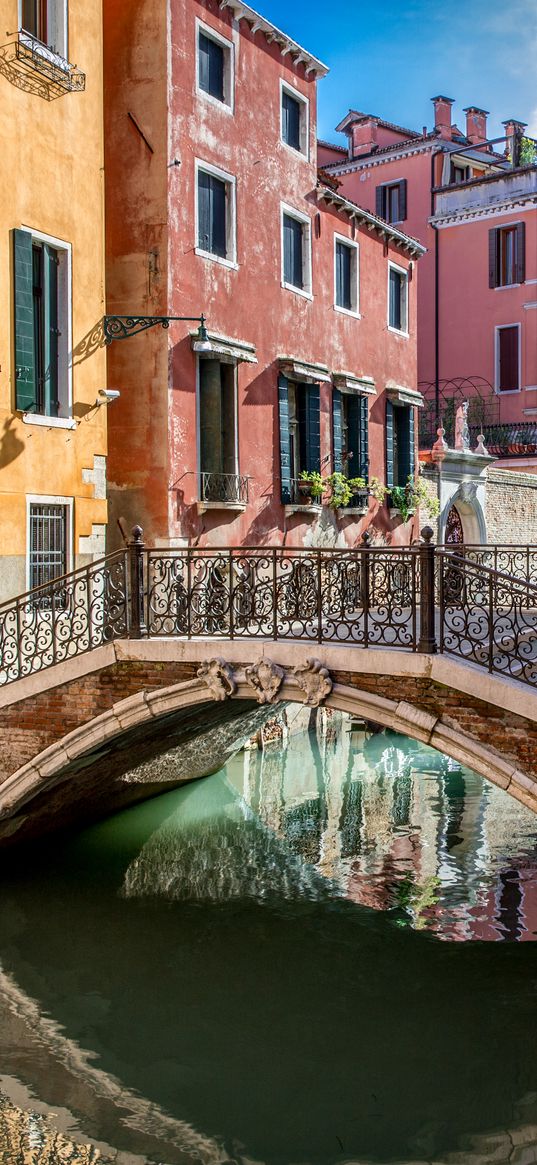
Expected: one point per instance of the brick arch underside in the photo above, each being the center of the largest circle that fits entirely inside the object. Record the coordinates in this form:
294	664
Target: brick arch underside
109	762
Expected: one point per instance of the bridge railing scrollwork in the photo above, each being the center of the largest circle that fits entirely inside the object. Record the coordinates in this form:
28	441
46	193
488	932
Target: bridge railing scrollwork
477	603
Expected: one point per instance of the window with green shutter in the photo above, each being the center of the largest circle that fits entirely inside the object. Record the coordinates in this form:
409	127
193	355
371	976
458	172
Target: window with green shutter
41	326
300	434
400	444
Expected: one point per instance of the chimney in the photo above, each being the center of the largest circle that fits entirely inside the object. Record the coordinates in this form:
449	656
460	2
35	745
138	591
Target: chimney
514	132
363	137
476	125
442	116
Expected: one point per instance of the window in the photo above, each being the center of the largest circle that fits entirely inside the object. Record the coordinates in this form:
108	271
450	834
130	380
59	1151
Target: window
48	545
391	201
350	433
216	213
214	66
45	21
300	433
42	324
458	173
397	299
400	444
508	358
296	251
346	275
507	259
294	119
218	446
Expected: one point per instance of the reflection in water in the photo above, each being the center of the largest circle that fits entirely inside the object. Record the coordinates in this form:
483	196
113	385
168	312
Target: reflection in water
247	970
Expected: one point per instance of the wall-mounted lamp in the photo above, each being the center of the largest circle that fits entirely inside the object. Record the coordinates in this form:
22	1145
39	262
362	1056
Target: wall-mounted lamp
107	396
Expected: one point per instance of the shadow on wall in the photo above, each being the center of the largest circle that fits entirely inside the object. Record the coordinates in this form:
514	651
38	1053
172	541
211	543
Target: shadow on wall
11	446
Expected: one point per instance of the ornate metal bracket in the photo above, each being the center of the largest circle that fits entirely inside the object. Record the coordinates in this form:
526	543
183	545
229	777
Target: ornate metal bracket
122	327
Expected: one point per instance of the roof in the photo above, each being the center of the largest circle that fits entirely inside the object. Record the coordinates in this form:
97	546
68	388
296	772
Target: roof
273	34
354	115
458	146
332	146
372	221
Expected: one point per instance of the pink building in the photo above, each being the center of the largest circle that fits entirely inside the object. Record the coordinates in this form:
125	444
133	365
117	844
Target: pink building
462	197
214	205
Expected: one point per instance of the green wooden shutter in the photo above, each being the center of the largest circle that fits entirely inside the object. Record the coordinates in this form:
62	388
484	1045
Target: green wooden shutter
407	460
402	200
362	469
311	449
337	432
25	373
380	201
285	444
50	269
389	444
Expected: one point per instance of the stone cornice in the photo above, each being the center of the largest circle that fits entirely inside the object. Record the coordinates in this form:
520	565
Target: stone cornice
372	221
498	209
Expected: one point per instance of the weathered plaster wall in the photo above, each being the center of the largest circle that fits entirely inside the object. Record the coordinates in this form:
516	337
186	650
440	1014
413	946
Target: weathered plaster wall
154	476
52	160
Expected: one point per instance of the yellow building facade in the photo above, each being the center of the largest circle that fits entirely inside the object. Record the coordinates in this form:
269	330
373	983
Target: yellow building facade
53	508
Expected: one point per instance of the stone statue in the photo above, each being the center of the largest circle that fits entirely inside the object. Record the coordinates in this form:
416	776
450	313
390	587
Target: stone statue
462	432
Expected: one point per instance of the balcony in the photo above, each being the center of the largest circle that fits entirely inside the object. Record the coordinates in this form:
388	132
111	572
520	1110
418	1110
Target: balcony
223	491
30	65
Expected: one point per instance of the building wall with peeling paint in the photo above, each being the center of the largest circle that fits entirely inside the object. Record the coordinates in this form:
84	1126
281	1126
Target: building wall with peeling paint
157	125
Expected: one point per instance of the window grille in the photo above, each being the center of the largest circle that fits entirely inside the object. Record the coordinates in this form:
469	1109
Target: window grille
48	543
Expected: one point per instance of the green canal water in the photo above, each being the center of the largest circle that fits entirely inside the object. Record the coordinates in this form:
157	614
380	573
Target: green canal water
323	954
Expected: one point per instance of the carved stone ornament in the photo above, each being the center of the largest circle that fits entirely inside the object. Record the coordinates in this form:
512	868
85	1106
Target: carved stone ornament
468	491
218	675
266	679
314	679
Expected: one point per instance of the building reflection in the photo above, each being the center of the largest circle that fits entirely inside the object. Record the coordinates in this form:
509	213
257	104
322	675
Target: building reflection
397	826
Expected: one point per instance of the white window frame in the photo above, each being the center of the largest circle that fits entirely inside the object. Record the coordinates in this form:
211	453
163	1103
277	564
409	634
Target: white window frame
402	271
228	104
50	500
355	277
509	286
500	328
65	339
304	150
384	186
307	290
231	214
57	20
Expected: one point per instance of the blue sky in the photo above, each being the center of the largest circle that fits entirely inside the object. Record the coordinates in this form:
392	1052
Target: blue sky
390	58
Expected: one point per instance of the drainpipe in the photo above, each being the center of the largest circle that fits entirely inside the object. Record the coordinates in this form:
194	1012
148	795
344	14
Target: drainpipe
436	299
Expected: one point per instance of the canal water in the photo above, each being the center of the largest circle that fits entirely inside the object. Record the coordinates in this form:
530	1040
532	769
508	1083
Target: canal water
323	954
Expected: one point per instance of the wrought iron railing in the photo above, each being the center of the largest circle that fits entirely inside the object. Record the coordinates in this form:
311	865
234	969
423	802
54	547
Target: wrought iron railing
479	603
60	75
226	488
487	617
518	439
65	618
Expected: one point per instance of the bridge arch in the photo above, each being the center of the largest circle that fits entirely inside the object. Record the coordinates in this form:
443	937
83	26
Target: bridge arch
71	778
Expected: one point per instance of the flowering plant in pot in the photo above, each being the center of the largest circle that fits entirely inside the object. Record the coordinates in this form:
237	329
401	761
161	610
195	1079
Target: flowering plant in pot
343	489
310	483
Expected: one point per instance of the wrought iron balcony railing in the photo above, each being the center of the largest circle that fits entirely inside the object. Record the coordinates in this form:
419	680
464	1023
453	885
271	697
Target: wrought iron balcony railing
225	488
518	439
57	74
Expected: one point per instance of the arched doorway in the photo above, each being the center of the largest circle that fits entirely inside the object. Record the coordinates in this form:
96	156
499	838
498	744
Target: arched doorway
454	535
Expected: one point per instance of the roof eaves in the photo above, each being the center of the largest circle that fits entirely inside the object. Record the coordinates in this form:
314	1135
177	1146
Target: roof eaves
373	221
258	23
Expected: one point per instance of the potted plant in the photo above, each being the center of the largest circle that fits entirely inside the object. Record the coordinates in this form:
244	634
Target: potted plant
343	489
406	498
311	484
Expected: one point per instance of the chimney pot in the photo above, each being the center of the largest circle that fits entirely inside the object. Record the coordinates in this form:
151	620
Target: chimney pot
442	116
476	125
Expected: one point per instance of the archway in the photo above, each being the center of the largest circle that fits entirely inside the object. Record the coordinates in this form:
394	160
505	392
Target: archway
463	519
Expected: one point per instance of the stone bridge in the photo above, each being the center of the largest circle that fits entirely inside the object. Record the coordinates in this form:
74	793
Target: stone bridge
81	739
148	668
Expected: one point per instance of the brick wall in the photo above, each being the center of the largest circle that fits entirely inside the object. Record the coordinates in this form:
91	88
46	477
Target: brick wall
511	506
